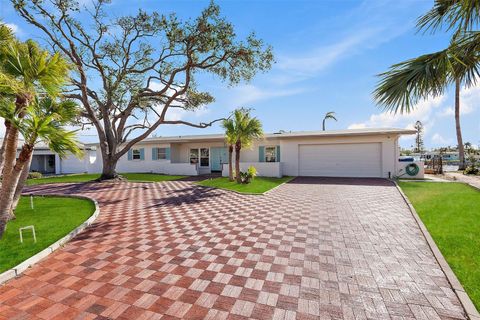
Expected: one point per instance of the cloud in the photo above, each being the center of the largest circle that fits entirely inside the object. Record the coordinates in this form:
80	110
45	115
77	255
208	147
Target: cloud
468	102
244	95
423	112
439	140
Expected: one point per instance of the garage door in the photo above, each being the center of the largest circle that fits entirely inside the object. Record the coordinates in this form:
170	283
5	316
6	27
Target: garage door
341	160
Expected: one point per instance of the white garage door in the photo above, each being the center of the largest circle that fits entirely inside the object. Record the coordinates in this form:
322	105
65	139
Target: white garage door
341	160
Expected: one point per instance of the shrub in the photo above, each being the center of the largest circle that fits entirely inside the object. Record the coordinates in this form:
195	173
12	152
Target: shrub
248	175
34	175
471	170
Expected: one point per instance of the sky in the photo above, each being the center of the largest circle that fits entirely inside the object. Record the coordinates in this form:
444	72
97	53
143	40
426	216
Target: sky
327	55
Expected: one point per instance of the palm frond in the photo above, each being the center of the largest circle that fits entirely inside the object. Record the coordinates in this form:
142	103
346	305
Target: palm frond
330	115
400	88
459	15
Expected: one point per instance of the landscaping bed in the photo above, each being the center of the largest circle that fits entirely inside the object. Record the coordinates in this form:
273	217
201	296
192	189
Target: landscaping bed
451	213
78	178
52	217
258	185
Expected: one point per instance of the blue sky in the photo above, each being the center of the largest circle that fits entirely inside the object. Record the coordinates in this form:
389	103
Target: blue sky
327	55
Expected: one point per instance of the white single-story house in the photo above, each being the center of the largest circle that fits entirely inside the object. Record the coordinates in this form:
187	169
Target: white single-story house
334	153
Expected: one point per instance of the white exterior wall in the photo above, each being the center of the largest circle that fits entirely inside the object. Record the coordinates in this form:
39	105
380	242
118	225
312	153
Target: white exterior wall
289	151
401	173
72	164
264	169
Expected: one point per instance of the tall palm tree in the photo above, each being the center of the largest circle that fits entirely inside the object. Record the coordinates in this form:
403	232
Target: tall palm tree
242	131
230	139
430	75
43	120
328	115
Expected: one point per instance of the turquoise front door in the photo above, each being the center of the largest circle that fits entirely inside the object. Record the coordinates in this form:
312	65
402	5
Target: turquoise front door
218	156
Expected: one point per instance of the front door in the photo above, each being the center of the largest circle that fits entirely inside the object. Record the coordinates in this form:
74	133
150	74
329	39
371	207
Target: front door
218	157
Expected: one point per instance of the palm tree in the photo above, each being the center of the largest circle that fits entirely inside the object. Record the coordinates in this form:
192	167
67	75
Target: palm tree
328	115
241	131
427	76
230	139
43	120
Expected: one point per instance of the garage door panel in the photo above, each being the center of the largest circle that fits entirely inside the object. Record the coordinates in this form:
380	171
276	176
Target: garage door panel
340	160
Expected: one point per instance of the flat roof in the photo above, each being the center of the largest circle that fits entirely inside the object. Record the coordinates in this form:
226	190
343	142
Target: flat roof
287	134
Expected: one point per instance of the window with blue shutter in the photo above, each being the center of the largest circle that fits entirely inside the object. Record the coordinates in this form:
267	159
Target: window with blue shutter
142	154
278	153
167	153
154	153
261	154
130	154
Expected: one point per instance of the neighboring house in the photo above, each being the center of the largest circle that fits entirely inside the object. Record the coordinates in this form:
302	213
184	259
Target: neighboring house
46	161
340	153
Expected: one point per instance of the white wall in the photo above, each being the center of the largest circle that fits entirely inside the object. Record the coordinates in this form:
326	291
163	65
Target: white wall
72	164
264	169
289	150
401	173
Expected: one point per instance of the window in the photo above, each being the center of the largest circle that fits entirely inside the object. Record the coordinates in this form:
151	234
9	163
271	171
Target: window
161	153
201	156
270	154
193	156
204	157
136	154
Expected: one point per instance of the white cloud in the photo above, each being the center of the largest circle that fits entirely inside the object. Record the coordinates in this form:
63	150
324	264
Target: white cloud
468	102
423	112
439	140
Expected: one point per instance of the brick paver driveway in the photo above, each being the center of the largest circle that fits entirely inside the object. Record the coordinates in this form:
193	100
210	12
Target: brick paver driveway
311	249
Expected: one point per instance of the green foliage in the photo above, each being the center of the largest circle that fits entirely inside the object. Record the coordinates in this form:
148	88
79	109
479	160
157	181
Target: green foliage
473	167
52	217
34	175
247	176
241	128
145	62
450	213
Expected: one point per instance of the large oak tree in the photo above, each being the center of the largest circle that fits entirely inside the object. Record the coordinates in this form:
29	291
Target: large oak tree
131	70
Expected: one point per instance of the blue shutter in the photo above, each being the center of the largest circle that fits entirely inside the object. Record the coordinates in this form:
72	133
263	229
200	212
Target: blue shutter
167	153
278	153
261	154
130	154
142	154
154	153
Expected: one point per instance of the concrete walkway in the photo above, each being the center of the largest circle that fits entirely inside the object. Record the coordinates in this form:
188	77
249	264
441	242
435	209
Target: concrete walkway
474	181
311	249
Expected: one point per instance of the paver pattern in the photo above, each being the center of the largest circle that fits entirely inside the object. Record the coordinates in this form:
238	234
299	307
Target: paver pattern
310	249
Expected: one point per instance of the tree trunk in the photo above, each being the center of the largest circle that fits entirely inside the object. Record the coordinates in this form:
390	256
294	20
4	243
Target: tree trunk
109	168
230	164
21	182
238	147
323	125
461	150
4	144
9	185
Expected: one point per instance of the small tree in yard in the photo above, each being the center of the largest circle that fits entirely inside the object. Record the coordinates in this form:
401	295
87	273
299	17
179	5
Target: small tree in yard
131	70
240	131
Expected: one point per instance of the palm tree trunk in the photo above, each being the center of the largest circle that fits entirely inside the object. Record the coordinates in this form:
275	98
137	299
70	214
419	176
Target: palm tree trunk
9	185
230	164
461	150
4	144
21	183
323	124
238	147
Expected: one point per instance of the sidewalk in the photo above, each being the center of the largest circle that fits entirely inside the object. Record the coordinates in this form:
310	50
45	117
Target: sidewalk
474	181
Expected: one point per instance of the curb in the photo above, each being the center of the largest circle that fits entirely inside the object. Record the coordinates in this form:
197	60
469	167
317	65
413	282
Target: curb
20	268
457	287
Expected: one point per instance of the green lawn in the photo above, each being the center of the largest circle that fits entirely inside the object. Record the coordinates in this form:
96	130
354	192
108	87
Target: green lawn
258	186
52	217
134	177
451	213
